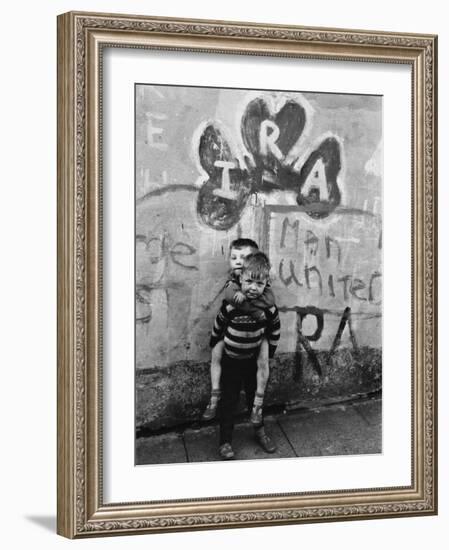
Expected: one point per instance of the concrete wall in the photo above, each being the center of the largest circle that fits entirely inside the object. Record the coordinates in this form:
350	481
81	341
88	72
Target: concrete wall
299	173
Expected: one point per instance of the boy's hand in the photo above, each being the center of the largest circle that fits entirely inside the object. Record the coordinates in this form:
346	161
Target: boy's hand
239	297
258	315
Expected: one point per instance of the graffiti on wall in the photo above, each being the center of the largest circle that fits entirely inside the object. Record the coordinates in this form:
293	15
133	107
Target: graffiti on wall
328	261
270	163
160	251
299	173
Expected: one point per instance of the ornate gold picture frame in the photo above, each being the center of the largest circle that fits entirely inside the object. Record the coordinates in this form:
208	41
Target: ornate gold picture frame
83	468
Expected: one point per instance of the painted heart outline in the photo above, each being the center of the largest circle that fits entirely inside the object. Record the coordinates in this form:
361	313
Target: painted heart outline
271	139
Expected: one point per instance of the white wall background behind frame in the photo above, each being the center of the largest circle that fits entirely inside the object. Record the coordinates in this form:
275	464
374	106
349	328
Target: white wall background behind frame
28	279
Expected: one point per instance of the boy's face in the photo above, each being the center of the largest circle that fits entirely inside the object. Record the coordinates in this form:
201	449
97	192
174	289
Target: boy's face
252	287
237	258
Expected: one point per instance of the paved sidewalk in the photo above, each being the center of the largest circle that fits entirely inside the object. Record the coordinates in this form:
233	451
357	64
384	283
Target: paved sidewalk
343	429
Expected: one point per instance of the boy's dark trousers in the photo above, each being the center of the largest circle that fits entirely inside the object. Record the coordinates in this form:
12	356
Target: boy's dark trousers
235	373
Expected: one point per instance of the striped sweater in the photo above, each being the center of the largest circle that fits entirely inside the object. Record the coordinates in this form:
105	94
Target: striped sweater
243	334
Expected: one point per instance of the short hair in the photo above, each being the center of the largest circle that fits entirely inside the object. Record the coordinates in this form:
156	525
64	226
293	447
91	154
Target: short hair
257	265
242	243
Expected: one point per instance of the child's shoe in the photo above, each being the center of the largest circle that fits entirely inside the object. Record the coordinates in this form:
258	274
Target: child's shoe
225	451
256	415
264	441
211	412
211	409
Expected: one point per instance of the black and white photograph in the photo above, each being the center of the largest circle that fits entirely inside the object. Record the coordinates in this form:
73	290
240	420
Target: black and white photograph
223	241
258	274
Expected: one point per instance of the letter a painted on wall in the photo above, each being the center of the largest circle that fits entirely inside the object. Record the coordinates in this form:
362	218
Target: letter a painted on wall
345	320
319	192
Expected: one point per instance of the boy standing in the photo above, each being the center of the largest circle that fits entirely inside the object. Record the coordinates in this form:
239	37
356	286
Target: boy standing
243	335
239	250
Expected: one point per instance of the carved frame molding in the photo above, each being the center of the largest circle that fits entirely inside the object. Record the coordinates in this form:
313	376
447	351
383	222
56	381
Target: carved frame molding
81	37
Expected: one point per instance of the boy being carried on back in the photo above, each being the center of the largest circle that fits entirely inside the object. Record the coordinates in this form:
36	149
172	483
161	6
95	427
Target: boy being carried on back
239	250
